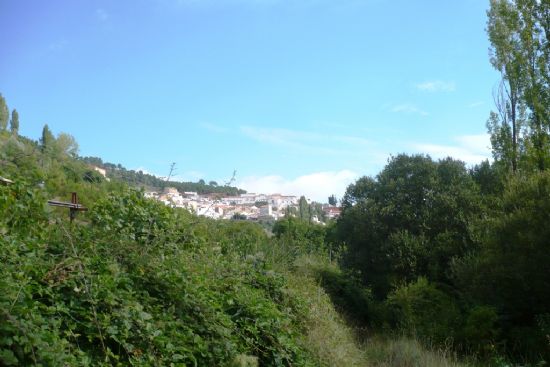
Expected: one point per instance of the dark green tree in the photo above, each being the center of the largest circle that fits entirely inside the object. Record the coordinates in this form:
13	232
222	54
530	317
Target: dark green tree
47	140
410	221
304	211
509	272
332	200
14	122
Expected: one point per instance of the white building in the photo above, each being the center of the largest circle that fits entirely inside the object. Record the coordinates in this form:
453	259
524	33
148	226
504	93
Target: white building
266	211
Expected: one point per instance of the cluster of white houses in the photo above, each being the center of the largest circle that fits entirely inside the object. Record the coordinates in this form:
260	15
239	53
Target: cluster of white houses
249	206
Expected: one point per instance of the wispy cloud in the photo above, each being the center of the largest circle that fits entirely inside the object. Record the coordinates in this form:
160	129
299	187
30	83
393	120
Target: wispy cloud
58	45
476	104
311	142
471	149
279	136
102	15
409	108
213	127
317	186
436	86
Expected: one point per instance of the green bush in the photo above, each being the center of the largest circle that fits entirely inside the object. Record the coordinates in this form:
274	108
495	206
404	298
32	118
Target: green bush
420	308
141	284
480	331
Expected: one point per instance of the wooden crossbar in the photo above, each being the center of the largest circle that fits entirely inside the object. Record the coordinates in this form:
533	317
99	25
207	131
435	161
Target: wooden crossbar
74	206
79	207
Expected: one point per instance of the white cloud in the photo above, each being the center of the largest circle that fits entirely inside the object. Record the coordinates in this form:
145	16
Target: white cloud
409	108
317	186
436	86
213	127
480	143
145	171
471	149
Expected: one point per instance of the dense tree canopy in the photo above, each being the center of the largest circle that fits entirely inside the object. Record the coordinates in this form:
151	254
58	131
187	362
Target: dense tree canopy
409	221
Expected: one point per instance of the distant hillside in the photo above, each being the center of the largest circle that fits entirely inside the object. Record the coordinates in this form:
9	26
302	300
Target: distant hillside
139	178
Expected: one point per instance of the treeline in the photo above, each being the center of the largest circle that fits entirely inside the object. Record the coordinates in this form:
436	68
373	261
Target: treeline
50	148
455	257
461	256
452	255
141	179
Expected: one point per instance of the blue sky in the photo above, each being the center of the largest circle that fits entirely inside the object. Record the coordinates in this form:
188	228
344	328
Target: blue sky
300	97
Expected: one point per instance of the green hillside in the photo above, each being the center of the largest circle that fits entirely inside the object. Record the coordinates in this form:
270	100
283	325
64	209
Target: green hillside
146	180
134	282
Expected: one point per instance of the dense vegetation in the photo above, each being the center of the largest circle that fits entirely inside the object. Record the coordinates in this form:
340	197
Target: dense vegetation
131	281
456	255
426	253
445	263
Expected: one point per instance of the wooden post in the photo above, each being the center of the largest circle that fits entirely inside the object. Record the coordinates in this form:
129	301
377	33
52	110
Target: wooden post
72	211
74	206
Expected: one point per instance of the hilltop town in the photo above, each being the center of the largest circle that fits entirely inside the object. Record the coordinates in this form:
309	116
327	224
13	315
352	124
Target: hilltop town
249	206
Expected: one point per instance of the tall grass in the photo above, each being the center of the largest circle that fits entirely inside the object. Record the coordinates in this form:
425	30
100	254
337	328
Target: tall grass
327	336
406	352
336	343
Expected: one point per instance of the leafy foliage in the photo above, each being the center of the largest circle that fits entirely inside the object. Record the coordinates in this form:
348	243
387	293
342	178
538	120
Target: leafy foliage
410	221
140	284
509	272
452	256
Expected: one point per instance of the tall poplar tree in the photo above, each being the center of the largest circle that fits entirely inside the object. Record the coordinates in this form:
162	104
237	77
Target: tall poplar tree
14	122
47	139
519	32
4	114
534	37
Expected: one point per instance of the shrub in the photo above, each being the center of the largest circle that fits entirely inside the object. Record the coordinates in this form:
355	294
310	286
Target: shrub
422	309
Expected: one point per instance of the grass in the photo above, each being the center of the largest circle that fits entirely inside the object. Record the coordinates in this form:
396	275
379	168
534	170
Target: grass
335	343
406	352
328	337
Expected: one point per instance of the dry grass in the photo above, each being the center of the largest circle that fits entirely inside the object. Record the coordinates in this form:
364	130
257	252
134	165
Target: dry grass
406	352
